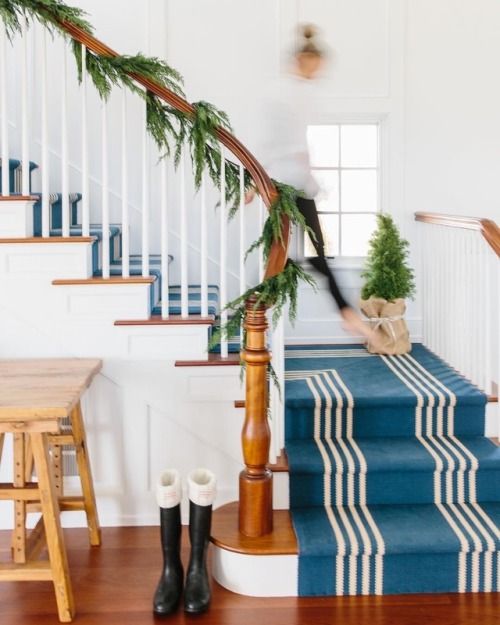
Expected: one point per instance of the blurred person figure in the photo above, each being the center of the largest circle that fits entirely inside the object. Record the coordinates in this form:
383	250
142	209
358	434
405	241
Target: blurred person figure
286	154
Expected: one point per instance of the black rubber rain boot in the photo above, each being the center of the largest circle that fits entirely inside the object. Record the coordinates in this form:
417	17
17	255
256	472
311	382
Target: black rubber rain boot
169	590
197	593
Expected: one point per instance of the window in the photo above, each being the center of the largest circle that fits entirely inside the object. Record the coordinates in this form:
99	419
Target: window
346	164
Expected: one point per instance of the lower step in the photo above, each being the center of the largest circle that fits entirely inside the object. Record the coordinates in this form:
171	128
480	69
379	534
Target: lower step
404	549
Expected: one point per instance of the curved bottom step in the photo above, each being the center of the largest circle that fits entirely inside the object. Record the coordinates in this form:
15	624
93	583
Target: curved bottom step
256	567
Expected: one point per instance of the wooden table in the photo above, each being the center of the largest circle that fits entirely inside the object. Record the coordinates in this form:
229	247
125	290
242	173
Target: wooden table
35	395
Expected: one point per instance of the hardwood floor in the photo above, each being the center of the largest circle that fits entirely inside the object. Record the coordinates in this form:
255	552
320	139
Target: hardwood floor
114	584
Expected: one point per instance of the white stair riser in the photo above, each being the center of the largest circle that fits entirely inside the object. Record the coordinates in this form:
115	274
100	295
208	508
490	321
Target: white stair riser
106	301
35	261
16	218
281	492
256	576
165	342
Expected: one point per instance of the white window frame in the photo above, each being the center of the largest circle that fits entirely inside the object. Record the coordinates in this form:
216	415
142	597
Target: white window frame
382	180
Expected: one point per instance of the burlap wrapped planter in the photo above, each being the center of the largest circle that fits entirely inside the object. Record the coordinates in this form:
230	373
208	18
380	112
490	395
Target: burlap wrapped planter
387	321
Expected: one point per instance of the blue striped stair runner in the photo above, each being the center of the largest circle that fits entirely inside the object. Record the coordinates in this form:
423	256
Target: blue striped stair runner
393	486
55	203
15	172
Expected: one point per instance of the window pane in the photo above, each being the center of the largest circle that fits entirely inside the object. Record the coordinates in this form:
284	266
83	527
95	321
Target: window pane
359	146
356	232
328	196
330	228
359	191
323	145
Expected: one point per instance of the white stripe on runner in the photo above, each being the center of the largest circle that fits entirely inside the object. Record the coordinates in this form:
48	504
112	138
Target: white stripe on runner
354	551
450	425
487	569
439	441
472	491
380	545
339	561
380	550
367	545
464	543
431	439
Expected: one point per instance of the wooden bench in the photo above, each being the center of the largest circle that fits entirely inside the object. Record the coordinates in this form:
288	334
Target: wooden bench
35	396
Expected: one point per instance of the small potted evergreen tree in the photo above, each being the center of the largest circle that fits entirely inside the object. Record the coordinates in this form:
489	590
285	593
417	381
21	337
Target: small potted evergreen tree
388	281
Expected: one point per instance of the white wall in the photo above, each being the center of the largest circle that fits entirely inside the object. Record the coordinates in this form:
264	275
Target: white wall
452	107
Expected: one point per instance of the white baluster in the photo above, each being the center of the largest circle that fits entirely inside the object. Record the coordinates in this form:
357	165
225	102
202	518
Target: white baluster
261	227
164	240
277	406
4	112
242	231
125	215
495	272
145	197
65	208
85	150
487	346
204	248
184	236
44	164
430	291
105	192
280	330
25	157
223	253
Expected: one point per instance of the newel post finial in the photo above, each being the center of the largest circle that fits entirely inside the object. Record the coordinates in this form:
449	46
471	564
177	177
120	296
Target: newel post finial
256	510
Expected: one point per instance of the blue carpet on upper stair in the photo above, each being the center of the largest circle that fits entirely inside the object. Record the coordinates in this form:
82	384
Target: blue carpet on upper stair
393	487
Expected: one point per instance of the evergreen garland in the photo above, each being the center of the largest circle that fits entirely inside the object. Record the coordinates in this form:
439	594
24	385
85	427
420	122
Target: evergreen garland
285	205
273	292
386	272
171	130
48	13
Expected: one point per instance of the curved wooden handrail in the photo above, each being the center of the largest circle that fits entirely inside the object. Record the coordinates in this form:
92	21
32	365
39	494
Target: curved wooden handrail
487	227
279	251
256	513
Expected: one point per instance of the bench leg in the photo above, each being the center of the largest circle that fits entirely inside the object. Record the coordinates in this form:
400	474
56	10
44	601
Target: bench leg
53	531
85	473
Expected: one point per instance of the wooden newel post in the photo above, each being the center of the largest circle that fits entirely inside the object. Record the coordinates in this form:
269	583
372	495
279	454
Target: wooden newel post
256	485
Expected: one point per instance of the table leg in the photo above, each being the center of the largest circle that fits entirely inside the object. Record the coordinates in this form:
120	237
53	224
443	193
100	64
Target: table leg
19	534
85	472
53	530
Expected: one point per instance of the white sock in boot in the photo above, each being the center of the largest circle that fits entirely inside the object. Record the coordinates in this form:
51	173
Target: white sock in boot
169	489
201	487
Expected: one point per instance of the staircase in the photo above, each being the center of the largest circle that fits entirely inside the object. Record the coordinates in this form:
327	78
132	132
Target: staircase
393	486
383	479
114	237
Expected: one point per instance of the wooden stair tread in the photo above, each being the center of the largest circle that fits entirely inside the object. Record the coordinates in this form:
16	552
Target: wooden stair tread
172	320
281	464
226	535
101	281
213	360
19	198
48	240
